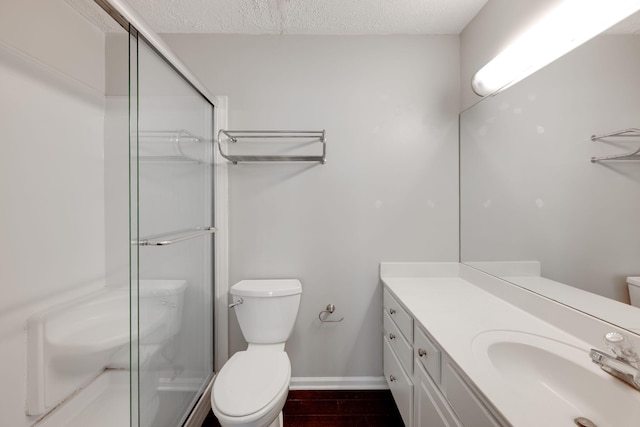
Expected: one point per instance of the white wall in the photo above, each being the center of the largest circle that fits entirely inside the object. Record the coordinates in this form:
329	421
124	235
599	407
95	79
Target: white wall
388	192
55	34
51	173
116	159
498	24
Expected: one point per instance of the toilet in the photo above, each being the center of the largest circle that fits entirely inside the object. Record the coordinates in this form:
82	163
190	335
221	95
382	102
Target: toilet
251	388
634	290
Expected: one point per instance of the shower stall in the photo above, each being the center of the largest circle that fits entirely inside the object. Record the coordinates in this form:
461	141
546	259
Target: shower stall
120	315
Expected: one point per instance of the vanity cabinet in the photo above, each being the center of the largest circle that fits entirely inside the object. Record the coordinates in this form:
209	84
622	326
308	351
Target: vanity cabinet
427	387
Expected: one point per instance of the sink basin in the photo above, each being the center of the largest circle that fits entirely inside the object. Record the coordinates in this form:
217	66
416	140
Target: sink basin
548	382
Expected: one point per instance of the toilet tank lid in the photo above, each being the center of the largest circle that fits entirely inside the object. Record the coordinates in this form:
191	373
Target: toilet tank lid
265	288
633	281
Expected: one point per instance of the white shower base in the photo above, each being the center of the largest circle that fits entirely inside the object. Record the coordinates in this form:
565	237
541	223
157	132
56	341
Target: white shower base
103	403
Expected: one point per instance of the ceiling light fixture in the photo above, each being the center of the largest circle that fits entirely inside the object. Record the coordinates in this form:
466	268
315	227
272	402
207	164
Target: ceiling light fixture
566	27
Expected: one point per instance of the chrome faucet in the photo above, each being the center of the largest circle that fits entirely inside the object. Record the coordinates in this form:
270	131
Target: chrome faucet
624	365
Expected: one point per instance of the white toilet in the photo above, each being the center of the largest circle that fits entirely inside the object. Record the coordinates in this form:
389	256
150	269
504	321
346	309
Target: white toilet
634	290
251	388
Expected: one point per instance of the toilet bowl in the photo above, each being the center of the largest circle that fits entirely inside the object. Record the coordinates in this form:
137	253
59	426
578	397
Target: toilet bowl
251	388
634	290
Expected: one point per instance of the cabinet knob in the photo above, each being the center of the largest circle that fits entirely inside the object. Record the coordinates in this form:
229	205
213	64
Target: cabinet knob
422	352
392	378
392	337
392	311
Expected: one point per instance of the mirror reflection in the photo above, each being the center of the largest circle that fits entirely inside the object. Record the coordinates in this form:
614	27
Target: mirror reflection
535	209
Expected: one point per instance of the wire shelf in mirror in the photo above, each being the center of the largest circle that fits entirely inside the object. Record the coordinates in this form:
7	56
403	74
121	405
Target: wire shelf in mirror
626	133
179	146
171	237
301	141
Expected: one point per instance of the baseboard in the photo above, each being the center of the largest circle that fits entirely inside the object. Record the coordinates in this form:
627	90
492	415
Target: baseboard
338	383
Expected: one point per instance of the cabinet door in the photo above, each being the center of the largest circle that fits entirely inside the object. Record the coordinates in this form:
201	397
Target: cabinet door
427	353
469	408
430	407
399	384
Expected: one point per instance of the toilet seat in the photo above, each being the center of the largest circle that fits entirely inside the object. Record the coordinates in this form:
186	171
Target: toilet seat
250	381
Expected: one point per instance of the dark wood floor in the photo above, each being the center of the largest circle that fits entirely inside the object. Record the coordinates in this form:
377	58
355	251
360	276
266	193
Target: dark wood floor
329	408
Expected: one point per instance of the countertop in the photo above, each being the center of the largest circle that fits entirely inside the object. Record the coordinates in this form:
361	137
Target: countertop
455	312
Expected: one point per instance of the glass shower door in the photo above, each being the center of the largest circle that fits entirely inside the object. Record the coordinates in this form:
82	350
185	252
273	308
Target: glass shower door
171	222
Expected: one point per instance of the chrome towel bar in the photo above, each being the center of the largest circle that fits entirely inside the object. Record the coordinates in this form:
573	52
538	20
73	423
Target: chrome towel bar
165	239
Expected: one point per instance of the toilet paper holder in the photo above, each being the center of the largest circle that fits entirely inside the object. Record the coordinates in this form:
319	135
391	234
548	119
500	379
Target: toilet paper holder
329	310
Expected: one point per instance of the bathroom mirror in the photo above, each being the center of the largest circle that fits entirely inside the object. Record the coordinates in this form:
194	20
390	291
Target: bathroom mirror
535	210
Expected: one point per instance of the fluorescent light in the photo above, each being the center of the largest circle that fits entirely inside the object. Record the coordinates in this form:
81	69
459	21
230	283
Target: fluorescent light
566	27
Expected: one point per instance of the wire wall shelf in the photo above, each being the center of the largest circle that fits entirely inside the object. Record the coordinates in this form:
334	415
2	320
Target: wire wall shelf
626	133
297	139
179	146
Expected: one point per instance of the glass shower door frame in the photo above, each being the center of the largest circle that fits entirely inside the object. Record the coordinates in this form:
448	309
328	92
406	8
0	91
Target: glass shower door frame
209	244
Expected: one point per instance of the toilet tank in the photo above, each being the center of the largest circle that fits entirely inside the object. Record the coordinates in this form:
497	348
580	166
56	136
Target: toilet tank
269	309
634	290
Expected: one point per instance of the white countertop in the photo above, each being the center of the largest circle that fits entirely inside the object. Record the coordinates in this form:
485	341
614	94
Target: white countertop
455	312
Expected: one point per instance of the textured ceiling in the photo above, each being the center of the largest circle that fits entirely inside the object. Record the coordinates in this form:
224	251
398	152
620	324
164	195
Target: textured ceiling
297	16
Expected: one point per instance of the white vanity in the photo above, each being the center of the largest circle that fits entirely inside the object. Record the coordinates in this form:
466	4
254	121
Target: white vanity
463	348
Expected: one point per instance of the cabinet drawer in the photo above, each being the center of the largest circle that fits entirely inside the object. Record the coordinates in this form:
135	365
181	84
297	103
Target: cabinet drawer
403	350
398	315
427	353
469	408
430	407
399	383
